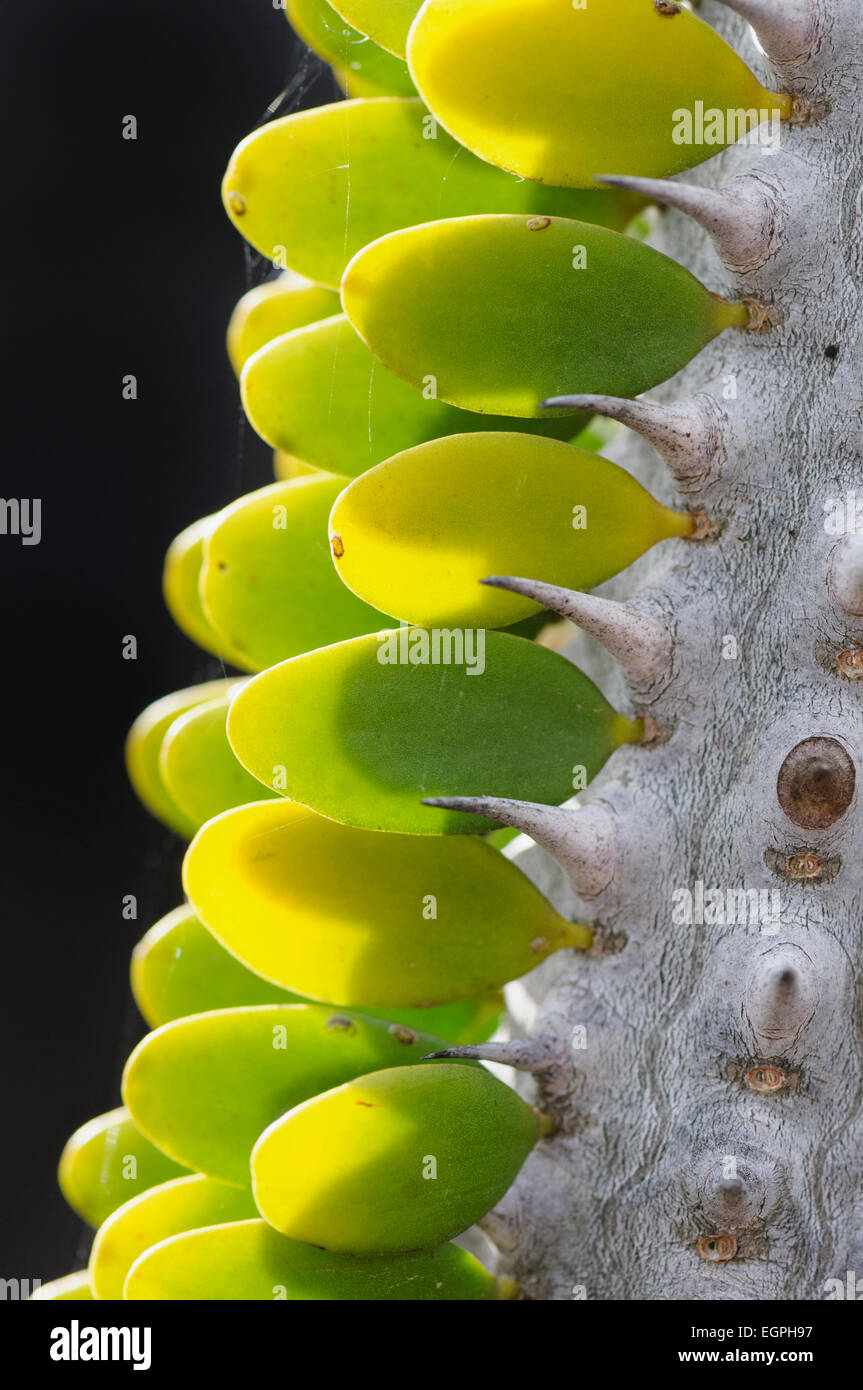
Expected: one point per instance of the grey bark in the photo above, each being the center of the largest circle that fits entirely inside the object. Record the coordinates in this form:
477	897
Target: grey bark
717	1106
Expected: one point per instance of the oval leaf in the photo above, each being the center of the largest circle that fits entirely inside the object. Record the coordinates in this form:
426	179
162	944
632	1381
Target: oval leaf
199	767
363	731
71	1287
562	92
249	1260
439	918
362	67
350	1171
503	312
385	21
321	395
268	582
417	534
180	589
203	1088
168	1210
316	187
106	1162
179	968
276	307
144	743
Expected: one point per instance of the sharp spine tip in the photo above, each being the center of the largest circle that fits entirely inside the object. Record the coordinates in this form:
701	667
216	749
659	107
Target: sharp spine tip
685	434
640	644
581	839
525	1054
787	30
740	217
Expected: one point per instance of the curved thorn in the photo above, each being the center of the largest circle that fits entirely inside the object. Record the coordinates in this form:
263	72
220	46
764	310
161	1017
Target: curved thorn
740	217
787	30
640	644
525	1054
581	839
846	574
686	434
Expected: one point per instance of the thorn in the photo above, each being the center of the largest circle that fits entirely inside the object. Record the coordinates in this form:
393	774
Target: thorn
640	644
846	574
581	838
740	217
525	1054
787	30
686	434
781	998
504	1225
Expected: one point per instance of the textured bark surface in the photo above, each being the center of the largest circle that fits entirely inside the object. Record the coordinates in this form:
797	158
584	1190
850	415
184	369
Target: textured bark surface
658	1109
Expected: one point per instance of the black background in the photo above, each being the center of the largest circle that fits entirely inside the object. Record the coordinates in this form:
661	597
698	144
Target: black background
117	258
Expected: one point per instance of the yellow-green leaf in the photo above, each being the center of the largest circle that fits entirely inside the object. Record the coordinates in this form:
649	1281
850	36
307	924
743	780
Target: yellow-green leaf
179	968
276	307
562	92
417	534
322	396
313	188
144	744
108	1161
186	1204
361	66
250	1261
369	921
203	1088
198	766
268	582
503	312
363	731
394	1161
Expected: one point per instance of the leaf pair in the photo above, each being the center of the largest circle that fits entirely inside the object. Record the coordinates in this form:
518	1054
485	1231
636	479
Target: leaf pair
311	189
249	1260
205	1087
179	968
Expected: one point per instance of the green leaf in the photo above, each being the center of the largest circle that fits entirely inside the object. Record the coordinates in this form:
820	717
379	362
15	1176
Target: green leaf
320	394
186	1204
276	307
394	1161
562	93
179	968
315	187
268	583
362	68
249	1260
417	534
71	1287
198	766
503	312
363	731
436	919
180	590
144	745
385	21
106	1162
203	1088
